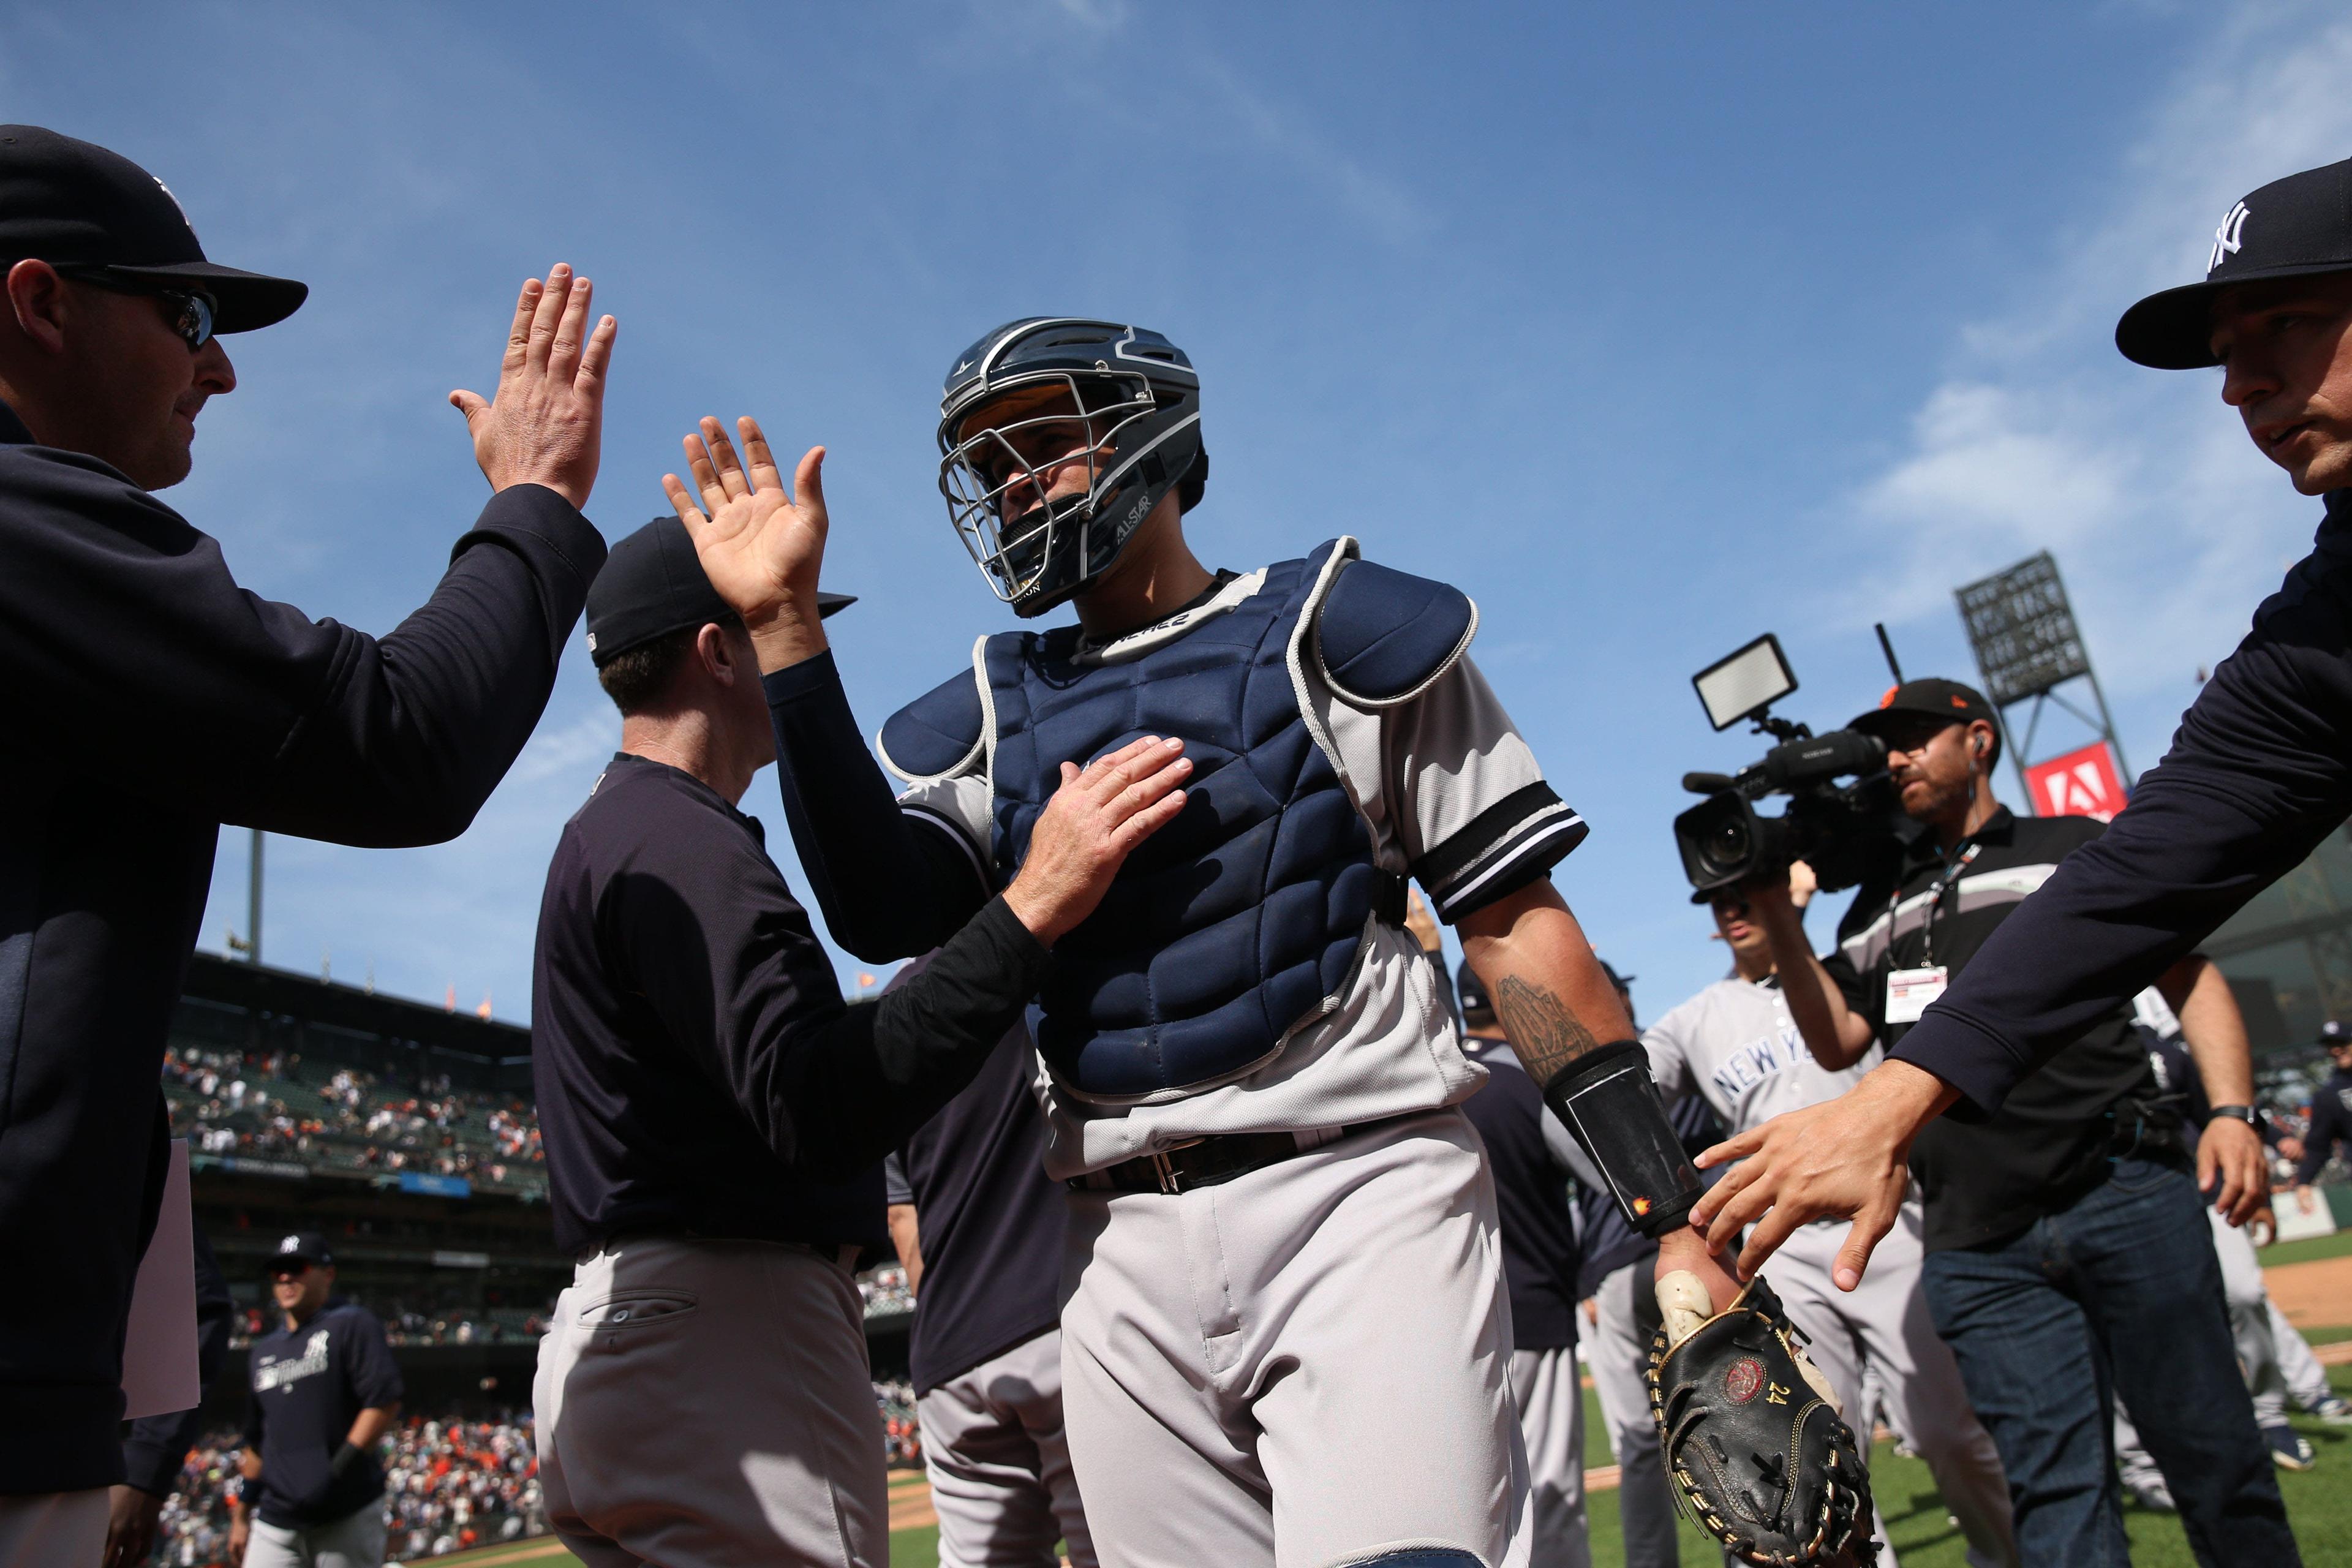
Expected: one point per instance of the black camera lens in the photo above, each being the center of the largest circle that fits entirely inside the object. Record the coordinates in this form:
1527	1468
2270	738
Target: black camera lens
1728	842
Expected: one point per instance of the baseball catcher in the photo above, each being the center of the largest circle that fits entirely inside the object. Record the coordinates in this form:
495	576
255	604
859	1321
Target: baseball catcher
1755	1444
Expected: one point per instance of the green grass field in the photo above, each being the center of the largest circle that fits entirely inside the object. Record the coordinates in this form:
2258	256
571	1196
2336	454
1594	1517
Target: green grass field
2319	1501
2336	1245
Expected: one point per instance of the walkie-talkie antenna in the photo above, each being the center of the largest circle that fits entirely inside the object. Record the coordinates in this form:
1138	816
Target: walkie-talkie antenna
1888	648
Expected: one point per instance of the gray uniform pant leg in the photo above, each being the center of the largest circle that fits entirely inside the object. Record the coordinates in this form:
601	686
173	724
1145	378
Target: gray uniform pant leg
2248	1301
2133	1460
703	1403
1615	1353
355	1541
1550	1399
999	1459
1304	1365
38	1530
2307	1380
1884	1324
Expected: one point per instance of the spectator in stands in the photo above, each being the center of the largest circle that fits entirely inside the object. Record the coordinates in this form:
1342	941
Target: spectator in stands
715	1115
122	639
323	1389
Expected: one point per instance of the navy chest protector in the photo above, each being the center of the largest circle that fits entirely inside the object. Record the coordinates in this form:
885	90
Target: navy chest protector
1240	921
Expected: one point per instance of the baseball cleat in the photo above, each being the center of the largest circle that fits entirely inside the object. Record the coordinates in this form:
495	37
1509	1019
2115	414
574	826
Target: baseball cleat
2289	1451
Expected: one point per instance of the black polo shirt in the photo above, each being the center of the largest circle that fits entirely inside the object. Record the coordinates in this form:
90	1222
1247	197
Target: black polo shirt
1983	1177
988	1220
1539	1248
306	1386
696	1069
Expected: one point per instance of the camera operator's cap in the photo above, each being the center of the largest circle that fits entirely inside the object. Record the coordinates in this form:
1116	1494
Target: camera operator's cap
1621	981
74	202
2335	1036
2302	224
302	1246
1946	700
653	583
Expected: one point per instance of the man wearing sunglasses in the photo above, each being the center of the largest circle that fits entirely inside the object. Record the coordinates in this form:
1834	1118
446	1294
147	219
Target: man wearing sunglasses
322	1387
2065	1255
151	700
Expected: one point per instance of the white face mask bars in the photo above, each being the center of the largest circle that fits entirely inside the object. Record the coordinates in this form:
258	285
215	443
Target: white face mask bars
976	473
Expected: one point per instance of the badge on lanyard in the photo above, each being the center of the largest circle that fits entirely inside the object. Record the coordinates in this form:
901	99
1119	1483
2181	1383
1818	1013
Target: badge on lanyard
1908	992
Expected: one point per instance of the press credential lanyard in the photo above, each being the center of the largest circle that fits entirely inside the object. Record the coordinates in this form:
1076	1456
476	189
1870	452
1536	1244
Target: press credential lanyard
1909	991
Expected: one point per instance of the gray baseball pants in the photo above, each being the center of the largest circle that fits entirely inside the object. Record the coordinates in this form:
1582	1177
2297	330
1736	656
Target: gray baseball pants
1884	1324
355	1541
999	1461
706	1404
1550	1399
1616	1353
38	1530
1306	1366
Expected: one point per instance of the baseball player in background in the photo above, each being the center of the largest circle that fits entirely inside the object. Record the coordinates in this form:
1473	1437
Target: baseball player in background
979	1229
1286	1337
1540	1269
1735	1045
324	1387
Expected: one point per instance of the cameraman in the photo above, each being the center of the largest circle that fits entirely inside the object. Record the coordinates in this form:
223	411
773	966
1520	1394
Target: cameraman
2066	1257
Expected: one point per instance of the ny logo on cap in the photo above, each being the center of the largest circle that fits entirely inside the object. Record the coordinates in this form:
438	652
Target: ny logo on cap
291	1244
2230	239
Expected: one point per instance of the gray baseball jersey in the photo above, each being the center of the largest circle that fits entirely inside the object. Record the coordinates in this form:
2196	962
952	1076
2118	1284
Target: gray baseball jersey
1736	1046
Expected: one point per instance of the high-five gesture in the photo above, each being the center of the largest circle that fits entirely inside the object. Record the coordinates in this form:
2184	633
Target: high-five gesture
546	425
760	546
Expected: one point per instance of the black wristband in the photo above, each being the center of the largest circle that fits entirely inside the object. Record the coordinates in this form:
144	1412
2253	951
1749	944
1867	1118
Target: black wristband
2245	1113
345	1457
1605	1099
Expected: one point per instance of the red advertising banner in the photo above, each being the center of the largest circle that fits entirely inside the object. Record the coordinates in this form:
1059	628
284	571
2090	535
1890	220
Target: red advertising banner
2084	782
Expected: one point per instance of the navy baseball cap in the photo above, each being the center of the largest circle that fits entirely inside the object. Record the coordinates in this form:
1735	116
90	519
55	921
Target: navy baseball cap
301	1247
2300	225
2335	1036
1471	990
651	584
73	204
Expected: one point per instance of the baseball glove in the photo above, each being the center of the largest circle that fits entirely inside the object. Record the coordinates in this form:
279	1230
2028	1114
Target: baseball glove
1752	1437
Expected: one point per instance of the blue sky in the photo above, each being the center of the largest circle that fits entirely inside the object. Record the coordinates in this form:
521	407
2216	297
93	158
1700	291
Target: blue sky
1652	329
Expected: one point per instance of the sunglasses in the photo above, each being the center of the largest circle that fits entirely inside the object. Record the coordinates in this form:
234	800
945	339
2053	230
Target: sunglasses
190	310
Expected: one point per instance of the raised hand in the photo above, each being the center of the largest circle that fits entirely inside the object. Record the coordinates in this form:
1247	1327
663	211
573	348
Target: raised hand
546	425
1086	830
761	547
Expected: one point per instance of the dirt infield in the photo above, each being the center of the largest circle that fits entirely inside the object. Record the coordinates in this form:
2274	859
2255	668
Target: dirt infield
2314	1295
910	1502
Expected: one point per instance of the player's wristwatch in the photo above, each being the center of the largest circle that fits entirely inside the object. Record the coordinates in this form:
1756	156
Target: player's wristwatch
2245	1113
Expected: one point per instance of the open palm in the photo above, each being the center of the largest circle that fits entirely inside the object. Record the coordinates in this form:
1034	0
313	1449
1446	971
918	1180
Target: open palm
760	546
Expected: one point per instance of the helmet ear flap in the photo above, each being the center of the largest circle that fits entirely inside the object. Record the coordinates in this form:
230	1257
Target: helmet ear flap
1195	480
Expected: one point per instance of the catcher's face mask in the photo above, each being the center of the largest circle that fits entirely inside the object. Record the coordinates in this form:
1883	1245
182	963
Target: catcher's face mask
1032	477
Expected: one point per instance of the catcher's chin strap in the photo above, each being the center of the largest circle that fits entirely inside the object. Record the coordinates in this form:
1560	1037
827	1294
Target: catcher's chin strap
1606	1099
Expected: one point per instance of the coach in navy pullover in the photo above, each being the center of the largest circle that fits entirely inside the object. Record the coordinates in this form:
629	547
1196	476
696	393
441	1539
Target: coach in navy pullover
149	700
2259	773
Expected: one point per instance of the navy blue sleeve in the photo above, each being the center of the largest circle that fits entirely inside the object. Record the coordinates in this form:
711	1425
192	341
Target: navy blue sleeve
131	648
158	1445
896	1188
2260	772
2329	1124
372	1376
888	889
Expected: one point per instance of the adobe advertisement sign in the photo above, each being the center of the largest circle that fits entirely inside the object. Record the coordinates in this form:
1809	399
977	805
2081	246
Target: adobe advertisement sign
2084	782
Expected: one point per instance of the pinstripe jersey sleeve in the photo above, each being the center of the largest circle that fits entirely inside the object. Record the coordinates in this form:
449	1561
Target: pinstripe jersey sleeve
1476	819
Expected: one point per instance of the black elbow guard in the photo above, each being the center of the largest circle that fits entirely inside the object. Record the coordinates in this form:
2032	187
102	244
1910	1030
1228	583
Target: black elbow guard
1607	1100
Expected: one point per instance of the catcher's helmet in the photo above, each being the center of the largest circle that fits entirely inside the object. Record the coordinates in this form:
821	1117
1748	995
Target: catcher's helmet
1040	393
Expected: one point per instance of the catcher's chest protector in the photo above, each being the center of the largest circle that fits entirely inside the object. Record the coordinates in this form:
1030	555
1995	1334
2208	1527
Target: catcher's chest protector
1233	924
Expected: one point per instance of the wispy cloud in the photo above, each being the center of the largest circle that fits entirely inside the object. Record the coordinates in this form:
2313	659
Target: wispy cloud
2170	527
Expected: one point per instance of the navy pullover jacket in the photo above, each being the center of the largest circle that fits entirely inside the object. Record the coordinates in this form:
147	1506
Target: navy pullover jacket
2260	772
148	700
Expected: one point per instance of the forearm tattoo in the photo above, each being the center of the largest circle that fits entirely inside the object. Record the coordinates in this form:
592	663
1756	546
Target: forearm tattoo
1543	1034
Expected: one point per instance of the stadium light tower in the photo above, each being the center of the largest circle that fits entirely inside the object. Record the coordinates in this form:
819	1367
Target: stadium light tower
253	903
2022	631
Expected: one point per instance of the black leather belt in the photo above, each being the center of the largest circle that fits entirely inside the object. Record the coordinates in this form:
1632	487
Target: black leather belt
1210	1162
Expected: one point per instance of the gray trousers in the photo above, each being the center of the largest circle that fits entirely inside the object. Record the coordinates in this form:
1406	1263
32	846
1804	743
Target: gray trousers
40	1530
999	1461
706	1404
355	1541
1550	1399
1615	1353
